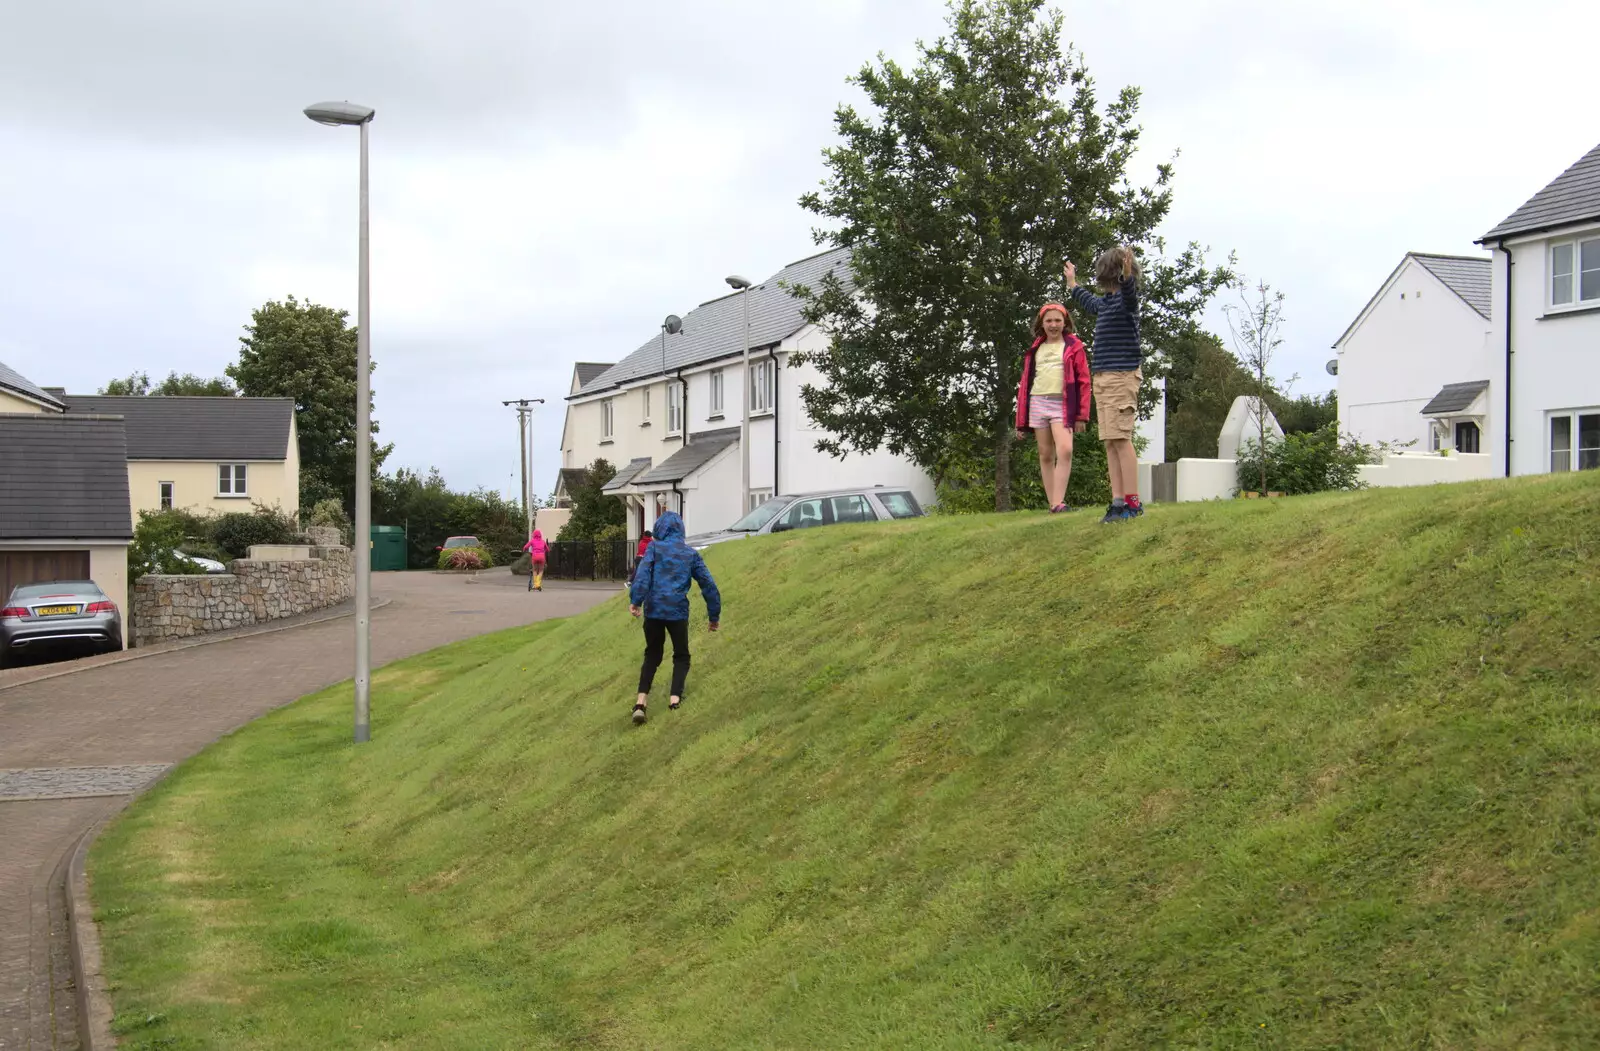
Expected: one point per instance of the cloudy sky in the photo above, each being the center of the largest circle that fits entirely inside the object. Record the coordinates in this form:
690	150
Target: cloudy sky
550	179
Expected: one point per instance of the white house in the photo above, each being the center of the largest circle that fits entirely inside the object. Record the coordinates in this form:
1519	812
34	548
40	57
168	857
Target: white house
671	414
1545	380
1415	366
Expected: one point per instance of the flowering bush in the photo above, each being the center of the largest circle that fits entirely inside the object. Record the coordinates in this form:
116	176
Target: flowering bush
465	558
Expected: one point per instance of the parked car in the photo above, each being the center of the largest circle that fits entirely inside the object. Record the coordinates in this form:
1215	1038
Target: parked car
206	565
805	510
62	616
459	541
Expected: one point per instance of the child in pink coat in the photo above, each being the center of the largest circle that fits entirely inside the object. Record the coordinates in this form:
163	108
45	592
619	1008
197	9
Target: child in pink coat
538	551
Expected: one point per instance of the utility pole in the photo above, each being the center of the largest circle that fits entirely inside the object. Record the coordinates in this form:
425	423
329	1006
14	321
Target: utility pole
524	407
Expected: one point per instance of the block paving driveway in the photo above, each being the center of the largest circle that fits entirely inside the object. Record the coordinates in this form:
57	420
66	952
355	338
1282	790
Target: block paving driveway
73	747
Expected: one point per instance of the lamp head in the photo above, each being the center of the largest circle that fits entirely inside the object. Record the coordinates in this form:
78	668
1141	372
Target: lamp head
335	114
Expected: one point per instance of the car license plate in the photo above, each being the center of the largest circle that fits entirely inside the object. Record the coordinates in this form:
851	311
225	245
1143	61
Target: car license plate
57	611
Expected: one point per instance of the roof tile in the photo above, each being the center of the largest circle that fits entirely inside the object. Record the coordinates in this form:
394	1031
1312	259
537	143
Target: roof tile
197	428
716	329
1572	197
63	477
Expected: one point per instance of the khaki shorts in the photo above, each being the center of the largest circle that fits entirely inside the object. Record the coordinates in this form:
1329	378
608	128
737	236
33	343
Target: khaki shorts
1116	396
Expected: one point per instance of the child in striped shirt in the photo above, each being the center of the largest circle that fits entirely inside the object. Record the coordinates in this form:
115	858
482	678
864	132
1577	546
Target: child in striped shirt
1115	370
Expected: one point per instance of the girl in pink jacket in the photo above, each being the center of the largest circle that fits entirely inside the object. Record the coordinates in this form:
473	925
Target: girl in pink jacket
537	551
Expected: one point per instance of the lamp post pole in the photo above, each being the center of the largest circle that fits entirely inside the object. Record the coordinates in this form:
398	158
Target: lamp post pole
339	114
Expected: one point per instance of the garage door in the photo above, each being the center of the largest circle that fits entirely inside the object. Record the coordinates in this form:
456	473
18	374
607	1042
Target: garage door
37	567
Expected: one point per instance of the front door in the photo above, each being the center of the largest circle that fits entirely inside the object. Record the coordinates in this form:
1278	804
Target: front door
40	567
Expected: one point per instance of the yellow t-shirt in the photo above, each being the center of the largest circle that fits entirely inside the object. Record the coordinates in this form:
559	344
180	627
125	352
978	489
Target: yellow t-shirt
1047	368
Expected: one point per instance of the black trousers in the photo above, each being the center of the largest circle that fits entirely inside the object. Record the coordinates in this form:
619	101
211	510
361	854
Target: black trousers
655	638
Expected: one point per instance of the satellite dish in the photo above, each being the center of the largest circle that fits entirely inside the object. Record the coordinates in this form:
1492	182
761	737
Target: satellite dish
673	324
1332	366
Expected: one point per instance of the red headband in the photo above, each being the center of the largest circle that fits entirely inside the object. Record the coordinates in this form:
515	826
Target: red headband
1052	306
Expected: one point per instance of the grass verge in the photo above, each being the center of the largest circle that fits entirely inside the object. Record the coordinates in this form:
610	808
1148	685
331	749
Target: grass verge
1308	773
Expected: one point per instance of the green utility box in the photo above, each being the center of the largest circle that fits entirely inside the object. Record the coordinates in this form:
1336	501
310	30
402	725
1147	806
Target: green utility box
388	548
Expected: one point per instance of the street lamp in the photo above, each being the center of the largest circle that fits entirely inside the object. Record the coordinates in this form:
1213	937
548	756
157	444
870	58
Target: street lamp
742	286
339	114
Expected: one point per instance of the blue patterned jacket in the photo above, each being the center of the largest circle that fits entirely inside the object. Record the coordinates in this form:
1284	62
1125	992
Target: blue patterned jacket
661	582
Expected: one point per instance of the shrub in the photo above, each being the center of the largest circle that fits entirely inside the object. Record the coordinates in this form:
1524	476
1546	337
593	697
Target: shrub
331	513
235	532
1315	462
968	484
156	540
465	558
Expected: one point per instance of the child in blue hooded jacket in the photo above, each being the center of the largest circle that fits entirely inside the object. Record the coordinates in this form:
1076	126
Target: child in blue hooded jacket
660	592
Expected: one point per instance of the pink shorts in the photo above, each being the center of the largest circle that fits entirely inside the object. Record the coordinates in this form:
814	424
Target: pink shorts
1043	408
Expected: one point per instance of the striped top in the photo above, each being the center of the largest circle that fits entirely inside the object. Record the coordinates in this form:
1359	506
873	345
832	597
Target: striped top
1116	327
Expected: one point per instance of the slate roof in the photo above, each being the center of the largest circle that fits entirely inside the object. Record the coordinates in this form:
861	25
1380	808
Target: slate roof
1454	397
589	371
571	478
1468	276
715	329
15	382
1572	197
63	476
630	470
197	428
689	459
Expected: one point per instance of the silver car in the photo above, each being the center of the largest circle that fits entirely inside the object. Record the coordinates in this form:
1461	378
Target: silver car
805	510
66	615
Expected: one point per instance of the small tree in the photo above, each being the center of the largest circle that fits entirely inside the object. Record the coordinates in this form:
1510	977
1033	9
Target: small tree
593	510
1257	325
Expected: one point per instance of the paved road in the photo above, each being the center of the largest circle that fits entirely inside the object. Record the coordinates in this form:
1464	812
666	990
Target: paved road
70	744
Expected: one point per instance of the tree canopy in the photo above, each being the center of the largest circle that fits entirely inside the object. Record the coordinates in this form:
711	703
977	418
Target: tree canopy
307	352
138	383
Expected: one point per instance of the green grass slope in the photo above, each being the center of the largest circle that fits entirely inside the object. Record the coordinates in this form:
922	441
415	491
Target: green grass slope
1308	773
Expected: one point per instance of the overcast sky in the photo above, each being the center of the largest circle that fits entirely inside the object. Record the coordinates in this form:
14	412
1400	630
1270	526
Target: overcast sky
550	179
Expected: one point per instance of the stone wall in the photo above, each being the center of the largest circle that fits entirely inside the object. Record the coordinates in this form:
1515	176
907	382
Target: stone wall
323	536
253	592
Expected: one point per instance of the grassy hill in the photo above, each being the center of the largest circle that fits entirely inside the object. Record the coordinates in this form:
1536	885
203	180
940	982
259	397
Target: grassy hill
1309	773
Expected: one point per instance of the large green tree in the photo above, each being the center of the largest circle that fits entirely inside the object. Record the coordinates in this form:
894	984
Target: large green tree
138	383
307	352
978	173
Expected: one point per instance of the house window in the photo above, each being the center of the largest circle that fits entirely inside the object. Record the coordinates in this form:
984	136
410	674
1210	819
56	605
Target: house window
1466	437
607	418
762	376
1434	442
646	416
716	394
757	498
166	495
233	479
1582	454
674	408
1575	272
